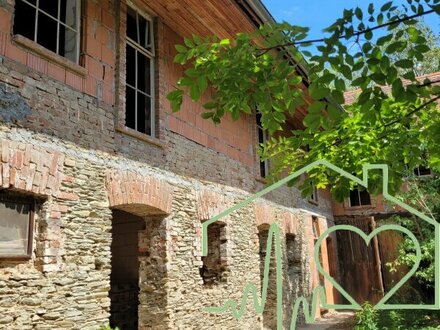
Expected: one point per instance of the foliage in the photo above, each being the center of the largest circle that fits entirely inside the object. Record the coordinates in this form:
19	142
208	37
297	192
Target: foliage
425	196
369	318
409	320
108	327
366	318
431	60
262	70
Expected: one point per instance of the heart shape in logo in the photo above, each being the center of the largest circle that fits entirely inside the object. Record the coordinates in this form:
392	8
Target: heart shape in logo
367	239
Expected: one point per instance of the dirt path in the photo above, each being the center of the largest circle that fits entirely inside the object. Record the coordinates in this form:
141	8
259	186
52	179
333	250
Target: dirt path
339	320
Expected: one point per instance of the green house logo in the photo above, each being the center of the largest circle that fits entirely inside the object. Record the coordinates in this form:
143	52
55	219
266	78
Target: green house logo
250	289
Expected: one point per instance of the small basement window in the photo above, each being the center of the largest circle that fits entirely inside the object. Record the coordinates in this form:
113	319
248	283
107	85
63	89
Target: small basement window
214	264
52	24
16	226
359	198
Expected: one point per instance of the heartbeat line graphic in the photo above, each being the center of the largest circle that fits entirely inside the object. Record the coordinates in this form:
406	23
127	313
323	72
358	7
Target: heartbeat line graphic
318	296
273	240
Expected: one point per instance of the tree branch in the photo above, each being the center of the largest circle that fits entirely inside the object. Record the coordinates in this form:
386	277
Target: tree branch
413	111
429	83
356	34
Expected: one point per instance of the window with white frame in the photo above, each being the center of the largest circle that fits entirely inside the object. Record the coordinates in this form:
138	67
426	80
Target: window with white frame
262	138
139	107
54	25
359	198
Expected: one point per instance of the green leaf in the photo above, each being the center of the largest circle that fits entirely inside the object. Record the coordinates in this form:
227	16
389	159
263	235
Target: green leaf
174	95
368	35
422	48
359	81
210	105
383	40
371	8
316	107
364	97
176	99
312	121
181	49
295	80
189	42
340	85
406	64
358	13
396	46
334	112
203	84
325	79
225	42
180	58
386	6
338	96
185	81
194	92
358	65
207	115
396	88
346	72
318	93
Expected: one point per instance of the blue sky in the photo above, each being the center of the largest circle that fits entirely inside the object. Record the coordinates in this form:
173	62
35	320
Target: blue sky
318	14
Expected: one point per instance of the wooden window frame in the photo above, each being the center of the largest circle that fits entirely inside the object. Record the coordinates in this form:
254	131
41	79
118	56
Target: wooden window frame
78	29
16	199
151	55
360	199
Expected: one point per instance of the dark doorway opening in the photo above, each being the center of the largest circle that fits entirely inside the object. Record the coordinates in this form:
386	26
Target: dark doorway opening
124	277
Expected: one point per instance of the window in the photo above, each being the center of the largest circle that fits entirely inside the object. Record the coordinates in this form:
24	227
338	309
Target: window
359	198
314	196
16	226
139	107
315	228
214	264
52	24
262	138
422	171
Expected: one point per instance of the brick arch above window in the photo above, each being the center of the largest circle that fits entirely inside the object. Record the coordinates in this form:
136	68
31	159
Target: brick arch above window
138	194
264	214
28	168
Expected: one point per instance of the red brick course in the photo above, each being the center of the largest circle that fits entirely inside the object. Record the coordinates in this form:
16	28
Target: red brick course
139	194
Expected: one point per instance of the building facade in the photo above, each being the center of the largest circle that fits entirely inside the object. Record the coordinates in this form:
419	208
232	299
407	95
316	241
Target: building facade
103	189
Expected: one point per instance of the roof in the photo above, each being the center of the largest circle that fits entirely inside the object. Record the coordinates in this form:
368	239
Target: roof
351	96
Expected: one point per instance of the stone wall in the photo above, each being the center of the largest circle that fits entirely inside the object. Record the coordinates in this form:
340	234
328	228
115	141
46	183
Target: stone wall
71	290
